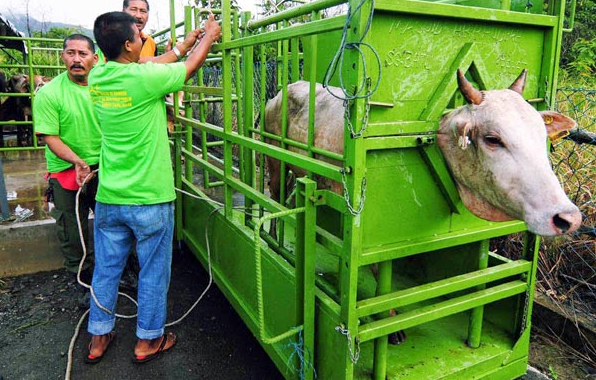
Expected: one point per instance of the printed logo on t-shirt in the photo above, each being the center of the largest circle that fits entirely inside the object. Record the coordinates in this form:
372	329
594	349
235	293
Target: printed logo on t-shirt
110	99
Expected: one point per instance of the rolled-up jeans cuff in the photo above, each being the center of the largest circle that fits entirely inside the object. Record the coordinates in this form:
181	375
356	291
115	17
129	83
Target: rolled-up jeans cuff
101	328
149	334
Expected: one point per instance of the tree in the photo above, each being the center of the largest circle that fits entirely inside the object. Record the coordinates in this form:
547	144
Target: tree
583	35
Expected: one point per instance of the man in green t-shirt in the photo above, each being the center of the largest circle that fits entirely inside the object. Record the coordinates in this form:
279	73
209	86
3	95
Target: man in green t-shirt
136	188
63	114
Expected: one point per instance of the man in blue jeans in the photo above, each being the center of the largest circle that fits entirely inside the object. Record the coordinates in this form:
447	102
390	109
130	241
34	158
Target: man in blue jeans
136	191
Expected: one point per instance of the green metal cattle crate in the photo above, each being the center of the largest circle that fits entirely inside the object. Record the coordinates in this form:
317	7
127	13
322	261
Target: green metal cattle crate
308	293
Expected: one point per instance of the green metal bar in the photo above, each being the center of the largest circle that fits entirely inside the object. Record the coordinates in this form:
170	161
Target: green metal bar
227	107
305	270
355	164
240	127
441	288
294	59
380	351
179	227
429	313
188	26
213	100
285	46
389	128
315	15
188	139
19	149
309	148
31	90
506	5
16	94
294	12
205	90
16	123
39	39
436	165
394	251
314	27
262	106
571	17
531	249
392	142
552	53
248	162
476	315
428	9
443	93
17	66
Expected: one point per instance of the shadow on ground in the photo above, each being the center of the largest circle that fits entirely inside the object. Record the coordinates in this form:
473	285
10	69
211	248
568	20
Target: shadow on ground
39	313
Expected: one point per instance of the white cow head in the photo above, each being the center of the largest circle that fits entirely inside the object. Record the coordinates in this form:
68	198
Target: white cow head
496	150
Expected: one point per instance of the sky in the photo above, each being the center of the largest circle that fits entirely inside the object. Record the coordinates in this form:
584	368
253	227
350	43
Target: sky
83	13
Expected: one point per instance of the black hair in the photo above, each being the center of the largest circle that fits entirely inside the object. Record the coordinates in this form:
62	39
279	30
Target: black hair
111	31
125	4
79	37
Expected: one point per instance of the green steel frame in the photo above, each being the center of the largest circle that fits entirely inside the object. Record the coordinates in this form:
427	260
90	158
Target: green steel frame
466	310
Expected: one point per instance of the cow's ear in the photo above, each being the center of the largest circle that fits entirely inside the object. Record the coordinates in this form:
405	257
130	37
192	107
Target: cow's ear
557	125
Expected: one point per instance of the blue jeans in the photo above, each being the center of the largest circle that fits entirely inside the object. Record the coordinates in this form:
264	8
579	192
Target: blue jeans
115	229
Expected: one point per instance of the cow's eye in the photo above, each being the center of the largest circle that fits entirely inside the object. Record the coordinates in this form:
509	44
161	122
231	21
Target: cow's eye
493	141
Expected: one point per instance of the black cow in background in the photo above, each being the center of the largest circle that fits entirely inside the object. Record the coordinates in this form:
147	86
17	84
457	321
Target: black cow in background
18	108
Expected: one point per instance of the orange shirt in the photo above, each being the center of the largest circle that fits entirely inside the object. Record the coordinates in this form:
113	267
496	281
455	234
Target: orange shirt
149	47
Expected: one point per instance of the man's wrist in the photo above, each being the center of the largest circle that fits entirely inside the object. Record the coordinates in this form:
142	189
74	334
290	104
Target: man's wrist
177	52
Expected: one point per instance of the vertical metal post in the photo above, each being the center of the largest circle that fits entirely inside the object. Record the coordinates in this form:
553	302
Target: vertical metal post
475	326
283	192
188	26
228	154
384	274
31	93
531	249
3	197
506	5
305	271
262	105
248	172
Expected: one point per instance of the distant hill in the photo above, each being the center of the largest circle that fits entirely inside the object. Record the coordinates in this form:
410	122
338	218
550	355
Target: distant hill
20	22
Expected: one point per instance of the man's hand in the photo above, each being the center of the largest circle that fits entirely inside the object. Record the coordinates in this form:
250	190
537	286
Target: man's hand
212	29
189	41
83	173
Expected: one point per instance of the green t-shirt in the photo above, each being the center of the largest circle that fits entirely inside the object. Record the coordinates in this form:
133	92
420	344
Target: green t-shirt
135	166
63	108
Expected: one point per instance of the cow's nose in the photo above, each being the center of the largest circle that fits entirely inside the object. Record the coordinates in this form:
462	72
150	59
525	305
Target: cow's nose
567	222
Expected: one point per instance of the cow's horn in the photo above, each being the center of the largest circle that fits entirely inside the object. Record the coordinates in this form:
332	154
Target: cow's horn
520	82
471	94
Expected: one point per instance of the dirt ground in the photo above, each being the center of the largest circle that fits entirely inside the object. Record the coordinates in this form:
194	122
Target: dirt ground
39	313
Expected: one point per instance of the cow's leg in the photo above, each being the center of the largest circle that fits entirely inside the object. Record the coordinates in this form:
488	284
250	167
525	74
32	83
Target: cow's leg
396	337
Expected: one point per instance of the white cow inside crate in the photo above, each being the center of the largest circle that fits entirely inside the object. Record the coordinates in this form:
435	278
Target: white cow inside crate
495	148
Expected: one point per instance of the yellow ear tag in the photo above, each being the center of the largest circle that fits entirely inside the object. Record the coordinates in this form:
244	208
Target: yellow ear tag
548	120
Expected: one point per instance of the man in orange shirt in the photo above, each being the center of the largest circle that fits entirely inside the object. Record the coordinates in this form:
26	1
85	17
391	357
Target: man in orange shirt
139	9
